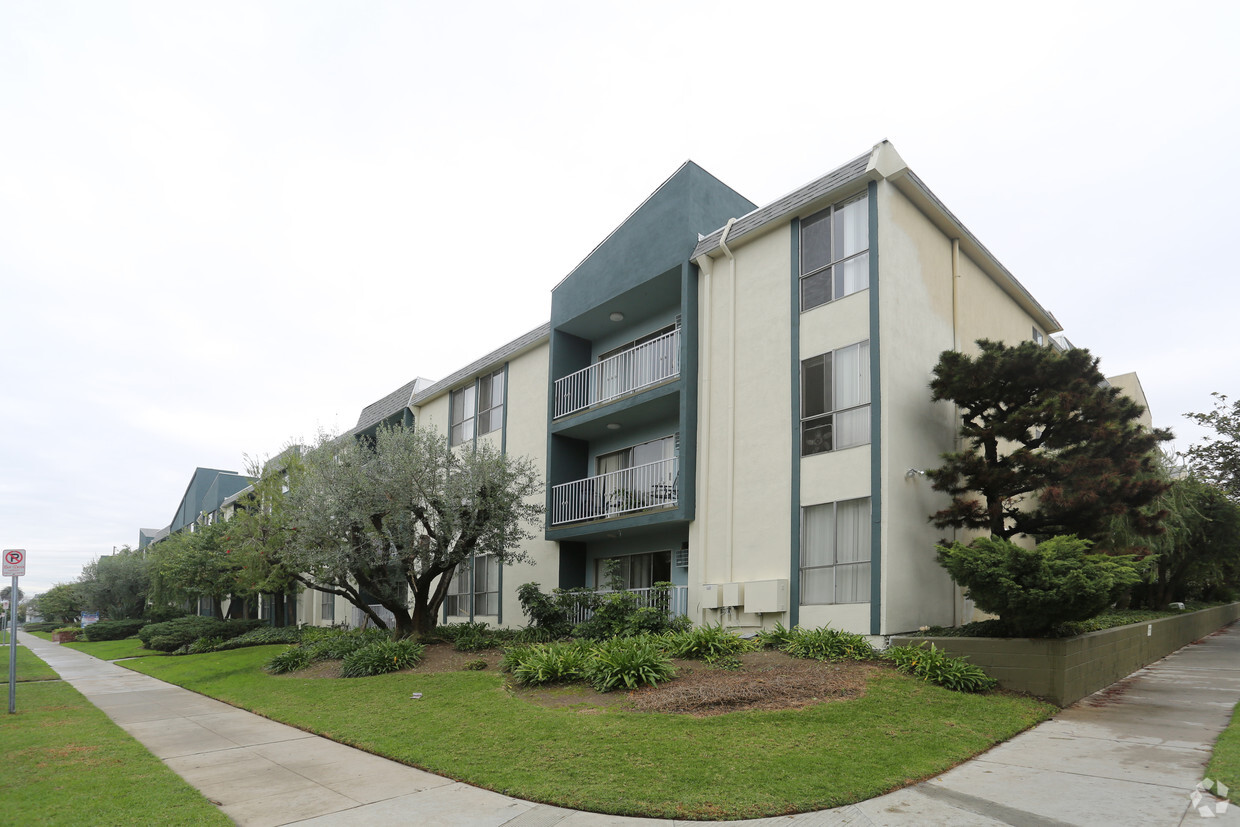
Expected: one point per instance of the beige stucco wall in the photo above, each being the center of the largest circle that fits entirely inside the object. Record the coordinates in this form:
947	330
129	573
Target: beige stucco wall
1130	385
744	450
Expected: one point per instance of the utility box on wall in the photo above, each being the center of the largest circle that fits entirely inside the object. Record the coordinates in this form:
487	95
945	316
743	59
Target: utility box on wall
766	596
711	593
733	594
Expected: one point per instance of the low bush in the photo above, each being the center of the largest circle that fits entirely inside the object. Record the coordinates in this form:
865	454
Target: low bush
611	614
340	644
933	665
775	638
382	657
264	636
540	663
113	629
290	660
68	633
476	665
627	662
1034	590
828	644
708	643
181	632
469	637
42	626
203	645
545	612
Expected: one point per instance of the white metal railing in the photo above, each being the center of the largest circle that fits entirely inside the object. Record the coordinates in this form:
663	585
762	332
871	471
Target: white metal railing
636	368
674	600
642	487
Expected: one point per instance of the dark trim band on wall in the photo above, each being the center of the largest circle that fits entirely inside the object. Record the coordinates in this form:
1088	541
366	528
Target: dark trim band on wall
794	580
876	427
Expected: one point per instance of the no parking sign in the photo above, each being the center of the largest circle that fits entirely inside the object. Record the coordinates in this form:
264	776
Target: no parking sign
14	562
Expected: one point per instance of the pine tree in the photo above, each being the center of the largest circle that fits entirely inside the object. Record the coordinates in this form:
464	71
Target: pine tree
1048	448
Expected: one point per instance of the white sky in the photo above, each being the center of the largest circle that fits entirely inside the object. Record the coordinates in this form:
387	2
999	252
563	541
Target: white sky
228	225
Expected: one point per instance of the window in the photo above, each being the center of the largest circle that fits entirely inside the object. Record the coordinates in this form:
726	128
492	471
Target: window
477	408
1037	337
835	400
462	415
835	259
634	571
835	552
327	606
475	585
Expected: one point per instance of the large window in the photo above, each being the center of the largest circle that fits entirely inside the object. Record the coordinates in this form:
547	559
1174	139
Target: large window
327	607
835	400
835	552
633	571
835	259
475	585
477	408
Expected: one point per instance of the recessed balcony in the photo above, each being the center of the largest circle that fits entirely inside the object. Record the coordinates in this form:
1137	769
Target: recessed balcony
650	487
639	367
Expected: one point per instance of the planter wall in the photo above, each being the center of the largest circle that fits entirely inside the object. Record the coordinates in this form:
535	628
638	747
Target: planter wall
1067	669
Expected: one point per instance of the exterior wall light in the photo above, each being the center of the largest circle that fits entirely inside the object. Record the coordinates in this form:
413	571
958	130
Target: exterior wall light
616	316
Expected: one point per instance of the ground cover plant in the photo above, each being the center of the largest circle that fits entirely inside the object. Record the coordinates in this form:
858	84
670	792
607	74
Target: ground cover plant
603	753
66	763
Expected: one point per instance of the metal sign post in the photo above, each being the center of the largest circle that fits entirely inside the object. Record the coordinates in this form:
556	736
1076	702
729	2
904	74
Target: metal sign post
14	567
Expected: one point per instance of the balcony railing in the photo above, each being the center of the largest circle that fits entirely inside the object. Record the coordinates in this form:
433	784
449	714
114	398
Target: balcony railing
640	488
674	601
634	369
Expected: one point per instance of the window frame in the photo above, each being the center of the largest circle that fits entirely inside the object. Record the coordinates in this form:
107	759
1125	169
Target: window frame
834	258
864	553
467	418
464	596
831	411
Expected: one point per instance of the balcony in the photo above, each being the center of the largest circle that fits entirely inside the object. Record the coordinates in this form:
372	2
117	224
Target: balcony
674	601
640	367
641	488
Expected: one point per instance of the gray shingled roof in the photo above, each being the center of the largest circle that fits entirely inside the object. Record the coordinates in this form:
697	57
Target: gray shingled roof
394	402
492	359
789	204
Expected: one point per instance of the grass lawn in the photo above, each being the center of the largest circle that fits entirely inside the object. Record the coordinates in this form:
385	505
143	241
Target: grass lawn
467	726
1225	764
112	649
29	667
67	763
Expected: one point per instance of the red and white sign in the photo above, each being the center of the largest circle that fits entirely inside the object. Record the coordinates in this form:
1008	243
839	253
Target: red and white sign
14	563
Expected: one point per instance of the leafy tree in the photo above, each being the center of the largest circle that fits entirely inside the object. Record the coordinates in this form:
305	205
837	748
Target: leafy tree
386	519
1049	448
6	594
116	586
61	602
192	565
1217	460
1034	590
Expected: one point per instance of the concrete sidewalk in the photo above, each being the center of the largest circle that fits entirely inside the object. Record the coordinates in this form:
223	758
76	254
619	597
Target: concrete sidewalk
1130	754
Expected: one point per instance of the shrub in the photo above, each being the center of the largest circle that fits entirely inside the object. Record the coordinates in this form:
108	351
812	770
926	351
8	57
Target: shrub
1033	590
112	629
469	637
776	638
935	666
43	626
475	665
708	643
174	634
162	614
290	660
382	657
628	662
265	636
68	633
545	612
541	663
340	644
203	645
828	644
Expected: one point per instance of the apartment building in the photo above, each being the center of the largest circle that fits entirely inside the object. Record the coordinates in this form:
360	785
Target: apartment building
735	399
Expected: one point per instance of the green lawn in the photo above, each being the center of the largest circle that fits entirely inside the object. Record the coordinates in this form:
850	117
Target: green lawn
112	649
67	763
739	765
29	667
1225	764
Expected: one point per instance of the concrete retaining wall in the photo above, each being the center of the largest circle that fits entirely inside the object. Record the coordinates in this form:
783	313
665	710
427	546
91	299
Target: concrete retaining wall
1065	670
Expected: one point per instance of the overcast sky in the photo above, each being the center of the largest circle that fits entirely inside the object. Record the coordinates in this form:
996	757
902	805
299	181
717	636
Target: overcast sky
224	226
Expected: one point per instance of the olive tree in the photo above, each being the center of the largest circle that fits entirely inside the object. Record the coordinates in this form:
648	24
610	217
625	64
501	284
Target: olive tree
388	520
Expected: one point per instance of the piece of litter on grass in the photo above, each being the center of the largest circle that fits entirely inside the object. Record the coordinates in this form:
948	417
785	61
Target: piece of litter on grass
416	696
